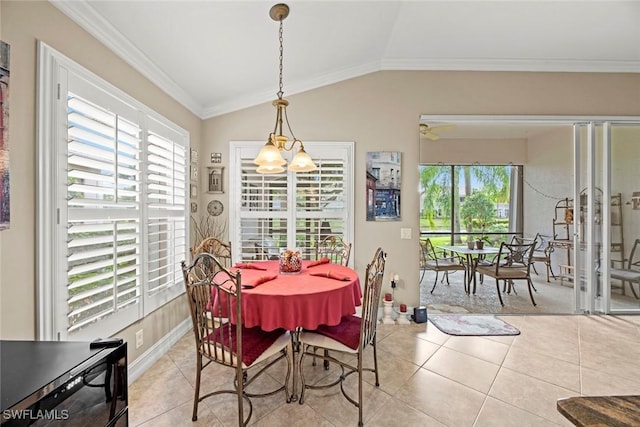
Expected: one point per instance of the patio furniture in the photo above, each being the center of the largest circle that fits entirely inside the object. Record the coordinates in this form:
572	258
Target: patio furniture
541	252
512	263
630	274
438	261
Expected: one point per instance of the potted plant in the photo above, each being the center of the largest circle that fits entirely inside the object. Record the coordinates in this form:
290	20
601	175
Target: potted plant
481	238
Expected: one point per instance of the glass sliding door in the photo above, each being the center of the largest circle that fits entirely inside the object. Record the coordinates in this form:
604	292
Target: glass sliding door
624	217
607	178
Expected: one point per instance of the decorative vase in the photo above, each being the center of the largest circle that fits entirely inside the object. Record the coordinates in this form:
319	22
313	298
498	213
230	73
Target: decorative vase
290	262
470	244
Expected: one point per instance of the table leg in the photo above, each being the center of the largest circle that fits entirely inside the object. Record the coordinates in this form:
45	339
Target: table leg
470	270
295	347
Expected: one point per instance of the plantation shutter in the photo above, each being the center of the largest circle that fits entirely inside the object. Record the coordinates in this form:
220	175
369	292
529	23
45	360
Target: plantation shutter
112	205
287	210
166	221
103	204
320	204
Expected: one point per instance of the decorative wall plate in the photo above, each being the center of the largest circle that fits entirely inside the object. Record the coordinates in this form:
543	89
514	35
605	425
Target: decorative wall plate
215	207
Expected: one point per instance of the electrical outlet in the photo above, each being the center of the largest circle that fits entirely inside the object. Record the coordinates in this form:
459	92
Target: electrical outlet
139	339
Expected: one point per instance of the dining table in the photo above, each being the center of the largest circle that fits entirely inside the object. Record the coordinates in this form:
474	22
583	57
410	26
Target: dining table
471	257
321	293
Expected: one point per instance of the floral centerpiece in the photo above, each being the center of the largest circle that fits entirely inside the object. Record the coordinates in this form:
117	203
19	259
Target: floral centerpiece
290	262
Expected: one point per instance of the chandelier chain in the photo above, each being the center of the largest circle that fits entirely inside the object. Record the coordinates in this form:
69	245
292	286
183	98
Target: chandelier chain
280	92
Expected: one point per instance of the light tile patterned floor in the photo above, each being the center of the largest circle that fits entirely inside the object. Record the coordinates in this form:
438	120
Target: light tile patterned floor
427	378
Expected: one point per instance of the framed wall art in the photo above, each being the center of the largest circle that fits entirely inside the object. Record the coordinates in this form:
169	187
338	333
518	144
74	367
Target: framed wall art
216	174
194	155
194	191
383	185
5	206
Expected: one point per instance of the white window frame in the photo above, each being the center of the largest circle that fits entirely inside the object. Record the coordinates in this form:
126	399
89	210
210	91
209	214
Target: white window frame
53	71
317	149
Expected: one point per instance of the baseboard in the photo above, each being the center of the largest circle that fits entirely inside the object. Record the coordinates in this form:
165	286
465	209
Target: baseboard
156	351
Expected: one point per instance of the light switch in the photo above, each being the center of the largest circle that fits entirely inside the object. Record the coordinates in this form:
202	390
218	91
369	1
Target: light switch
405	233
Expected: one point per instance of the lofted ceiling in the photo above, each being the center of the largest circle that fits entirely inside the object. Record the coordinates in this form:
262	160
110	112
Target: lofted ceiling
216	57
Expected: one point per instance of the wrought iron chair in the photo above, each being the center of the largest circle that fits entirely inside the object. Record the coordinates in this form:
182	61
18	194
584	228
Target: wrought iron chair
334	248
630	274
430	260
214	292
541	251
351	337
215	247
513	262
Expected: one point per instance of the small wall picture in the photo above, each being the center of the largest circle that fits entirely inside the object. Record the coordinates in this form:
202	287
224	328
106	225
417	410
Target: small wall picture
194	207
194	155
215	179
383	185
216	157
194	191
635	201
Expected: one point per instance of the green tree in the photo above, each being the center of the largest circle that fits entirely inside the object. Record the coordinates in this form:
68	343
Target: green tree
477	212
435	185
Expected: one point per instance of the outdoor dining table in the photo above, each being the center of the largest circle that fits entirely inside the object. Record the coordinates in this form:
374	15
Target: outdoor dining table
471	258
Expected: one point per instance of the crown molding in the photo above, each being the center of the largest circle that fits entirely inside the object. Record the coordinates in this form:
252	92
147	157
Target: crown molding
526	65
81	12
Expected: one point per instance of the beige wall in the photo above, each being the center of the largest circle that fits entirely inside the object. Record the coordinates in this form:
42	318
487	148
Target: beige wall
23	23
380	112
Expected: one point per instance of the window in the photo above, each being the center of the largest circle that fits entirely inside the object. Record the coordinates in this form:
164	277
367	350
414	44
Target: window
459	202
112	204
288	210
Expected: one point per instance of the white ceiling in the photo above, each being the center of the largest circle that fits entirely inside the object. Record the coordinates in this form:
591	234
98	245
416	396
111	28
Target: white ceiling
219	56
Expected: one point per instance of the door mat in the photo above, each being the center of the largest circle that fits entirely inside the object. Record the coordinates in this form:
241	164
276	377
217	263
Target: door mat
472	325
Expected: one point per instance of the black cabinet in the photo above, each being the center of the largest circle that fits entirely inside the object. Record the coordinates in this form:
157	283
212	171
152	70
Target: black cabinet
53	382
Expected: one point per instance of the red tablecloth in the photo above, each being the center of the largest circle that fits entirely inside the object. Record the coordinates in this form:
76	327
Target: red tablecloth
298	300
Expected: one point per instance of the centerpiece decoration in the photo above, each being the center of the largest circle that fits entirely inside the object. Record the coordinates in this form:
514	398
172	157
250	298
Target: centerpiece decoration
290	262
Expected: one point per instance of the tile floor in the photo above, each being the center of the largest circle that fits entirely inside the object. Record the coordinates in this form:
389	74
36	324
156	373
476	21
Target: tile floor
427	378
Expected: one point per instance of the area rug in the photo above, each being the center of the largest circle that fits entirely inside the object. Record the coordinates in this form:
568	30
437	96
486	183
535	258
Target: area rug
472	325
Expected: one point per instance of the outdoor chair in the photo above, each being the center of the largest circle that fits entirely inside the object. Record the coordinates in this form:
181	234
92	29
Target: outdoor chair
513	262
214	292
630	274
434	261
350	338
334	248
541	252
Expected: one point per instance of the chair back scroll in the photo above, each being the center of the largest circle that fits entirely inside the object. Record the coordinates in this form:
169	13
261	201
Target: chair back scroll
515	255
216	247
371	299
334	248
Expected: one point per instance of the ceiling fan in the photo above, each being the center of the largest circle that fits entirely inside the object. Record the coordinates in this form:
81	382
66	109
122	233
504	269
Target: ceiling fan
428	131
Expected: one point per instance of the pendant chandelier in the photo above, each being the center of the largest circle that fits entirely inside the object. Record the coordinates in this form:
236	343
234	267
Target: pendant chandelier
270	159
